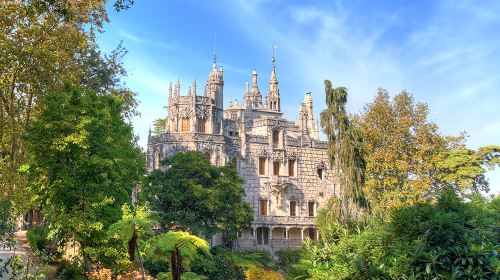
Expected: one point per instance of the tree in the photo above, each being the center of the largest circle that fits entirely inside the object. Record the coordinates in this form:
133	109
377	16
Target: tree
200	197
158	126
134	224
403	148
44	43
345	144
85	163
178	249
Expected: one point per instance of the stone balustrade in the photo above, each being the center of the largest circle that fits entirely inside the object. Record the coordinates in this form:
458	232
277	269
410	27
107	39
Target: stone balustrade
285	220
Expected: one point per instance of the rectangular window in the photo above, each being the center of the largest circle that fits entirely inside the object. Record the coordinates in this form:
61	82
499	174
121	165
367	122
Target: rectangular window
262	166
291	167
185	125
263	207
276	137
310	207
293	208
202	124
311	233
276	168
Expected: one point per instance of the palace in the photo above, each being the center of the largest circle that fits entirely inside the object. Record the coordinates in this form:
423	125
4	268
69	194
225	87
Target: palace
283	163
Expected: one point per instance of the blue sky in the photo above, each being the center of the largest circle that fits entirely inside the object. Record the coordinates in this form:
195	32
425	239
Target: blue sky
446	53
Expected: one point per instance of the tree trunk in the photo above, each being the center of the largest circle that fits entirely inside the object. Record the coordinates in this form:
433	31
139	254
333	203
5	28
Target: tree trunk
131	246
176	265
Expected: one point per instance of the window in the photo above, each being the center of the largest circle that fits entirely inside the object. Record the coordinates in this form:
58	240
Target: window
202	125
156	160
310	208
263	207
276	137
262	166
293	208
234	162
284	233
311	233
262	235
185	125
320	173
276	168
291	167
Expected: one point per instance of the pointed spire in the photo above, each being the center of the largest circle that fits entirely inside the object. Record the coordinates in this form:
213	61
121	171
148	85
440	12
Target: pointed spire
194	86
149	133
205	90
189	91
247	90
254	78
170	90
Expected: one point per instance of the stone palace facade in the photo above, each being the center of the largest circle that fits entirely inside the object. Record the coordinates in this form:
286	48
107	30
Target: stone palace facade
283	163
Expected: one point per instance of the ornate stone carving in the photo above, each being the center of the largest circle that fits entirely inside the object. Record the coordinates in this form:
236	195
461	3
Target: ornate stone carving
202	112
185	111
321	165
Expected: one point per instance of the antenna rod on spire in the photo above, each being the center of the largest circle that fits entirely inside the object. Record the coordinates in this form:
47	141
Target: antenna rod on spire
215	40
273	60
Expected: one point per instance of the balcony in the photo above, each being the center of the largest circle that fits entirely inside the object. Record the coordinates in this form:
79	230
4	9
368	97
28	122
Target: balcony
285	220
279	179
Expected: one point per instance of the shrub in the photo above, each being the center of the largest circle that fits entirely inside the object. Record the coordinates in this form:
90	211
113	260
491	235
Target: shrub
258	273
68	270
37	238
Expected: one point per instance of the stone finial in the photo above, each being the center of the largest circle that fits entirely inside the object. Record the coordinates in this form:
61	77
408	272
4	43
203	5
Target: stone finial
230	103
254	78
170	90
236	103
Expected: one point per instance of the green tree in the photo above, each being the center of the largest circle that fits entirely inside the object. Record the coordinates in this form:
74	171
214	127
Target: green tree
345	144
177	248
463	169
197	195
158	126
85	163
43	43
135	224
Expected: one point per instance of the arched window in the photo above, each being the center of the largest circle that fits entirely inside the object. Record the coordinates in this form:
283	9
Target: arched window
156	160
185	124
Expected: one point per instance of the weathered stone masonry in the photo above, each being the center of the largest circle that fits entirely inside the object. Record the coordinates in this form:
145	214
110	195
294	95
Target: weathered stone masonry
283	163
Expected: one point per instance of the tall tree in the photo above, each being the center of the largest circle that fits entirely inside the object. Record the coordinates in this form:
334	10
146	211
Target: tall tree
345	144
43	43
197	195
403	149
85	163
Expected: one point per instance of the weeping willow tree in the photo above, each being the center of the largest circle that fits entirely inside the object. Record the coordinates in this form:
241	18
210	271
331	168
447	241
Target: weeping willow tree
345	145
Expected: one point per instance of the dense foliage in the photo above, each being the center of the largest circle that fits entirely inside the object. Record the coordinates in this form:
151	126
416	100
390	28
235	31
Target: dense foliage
451	239
85	163
203	198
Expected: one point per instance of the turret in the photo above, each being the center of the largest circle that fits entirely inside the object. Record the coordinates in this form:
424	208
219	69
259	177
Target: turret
273	97
215	87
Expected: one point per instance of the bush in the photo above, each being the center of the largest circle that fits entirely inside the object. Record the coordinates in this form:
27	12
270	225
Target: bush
37	238
259	273
450	239
68	270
